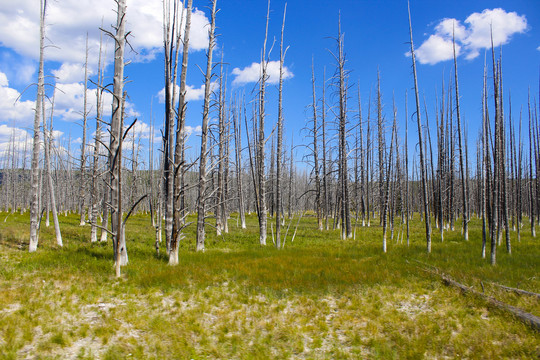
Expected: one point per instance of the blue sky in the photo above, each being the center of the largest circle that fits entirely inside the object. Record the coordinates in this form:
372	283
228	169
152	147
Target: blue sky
376	38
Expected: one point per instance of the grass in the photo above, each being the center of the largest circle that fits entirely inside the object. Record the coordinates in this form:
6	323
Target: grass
318	298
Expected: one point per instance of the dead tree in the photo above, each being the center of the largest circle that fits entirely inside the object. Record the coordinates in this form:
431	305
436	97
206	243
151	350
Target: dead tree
95	160
407	210
203	176
279	155
47	143
34	207
116	137
175	179
532	150
315	150
324	163
82	170
362	161
388	175
381	147
261	140
238	154
485	165
346	231
422	160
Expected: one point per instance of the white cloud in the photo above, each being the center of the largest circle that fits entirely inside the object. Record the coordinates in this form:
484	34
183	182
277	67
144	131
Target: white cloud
503	24
448	27
472	37
3	80
11	108
69	22
538	48
14	140
252	73
141	129
192	93
69	103
70	73
193	130
435	49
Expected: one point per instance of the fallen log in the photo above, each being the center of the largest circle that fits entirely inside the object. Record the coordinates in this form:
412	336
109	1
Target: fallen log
529	319
532	320
517	291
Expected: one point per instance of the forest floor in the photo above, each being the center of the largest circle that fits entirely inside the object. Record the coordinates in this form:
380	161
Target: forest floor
318	298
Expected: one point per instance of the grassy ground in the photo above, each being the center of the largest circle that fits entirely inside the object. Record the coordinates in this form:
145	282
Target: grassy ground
319	298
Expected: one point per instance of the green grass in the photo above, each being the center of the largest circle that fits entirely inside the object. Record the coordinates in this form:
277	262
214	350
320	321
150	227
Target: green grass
318	298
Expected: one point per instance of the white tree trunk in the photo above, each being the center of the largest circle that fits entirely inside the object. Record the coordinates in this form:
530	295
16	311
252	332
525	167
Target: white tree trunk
34	207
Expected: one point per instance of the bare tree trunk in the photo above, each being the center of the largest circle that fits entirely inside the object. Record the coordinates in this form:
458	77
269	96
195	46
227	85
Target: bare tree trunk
238	154
407	168
115	155
47	142
485	164
460	144
34	208
279	155
82	170
318	206
220	193
291	176
531	159
170	34
381	147
502	164
201	201
324	170
384	214
362	162
369	158
261	140
519	181
95	162
346	231
441	164
422	160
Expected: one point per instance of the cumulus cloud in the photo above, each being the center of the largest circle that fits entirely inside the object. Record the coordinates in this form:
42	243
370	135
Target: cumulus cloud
11	107
436	49
3	80
472	36
70	73
69	103
70	21
192	93
252	73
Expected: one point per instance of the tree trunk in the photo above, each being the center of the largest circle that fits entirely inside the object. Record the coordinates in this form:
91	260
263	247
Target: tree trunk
346	231
47	142
95	161
115	155
422	160
178	214
34	208
261	140
201	201
82	169
318	207
238	154
279	156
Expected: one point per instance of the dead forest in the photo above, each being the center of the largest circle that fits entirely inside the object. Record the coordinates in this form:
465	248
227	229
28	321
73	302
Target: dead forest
354	171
